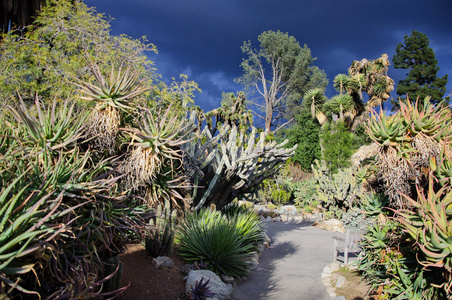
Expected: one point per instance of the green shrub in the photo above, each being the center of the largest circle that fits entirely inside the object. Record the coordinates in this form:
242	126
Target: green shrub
306	195
355	220
221	242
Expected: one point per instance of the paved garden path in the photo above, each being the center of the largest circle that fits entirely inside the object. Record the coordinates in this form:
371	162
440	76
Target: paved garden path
291	268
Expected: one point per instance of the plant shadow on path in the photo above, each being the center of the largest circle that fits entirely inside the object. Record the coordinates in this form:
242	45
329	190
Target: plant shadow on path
283	262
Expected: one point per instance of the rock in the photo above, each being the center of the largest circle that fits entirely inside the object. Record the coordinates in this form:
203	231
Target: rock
222	290
332	267
340	281
252	261
260	249
284	218
331	225
291	210
163	261
268	219
339	298
264	235
290	219
227	279
277	219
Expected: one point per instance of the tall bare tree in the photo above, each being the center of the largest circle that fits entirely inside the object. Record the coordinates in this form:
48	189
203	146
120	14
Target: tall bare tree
289	76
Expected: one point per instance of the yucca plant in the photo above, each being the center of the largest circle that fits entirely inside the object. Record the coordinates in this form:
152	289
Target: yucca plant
208	235
113	97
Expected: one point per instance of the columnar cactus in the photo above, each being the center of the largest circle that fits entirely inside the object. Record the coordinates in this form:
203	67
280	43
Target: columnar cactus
160	240
231	164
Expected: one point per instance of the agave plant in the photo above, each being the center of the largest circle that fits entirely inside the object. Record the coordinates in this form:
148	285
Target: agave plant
113	97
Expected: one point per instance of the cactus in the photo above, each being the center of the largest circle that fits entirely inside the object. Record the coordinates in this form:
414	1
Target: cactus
230	164
337	192
113	266
160	240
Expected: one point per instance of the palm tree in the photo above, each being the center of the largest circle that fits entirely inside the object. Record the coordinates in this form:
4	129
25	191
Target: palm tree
315	98
368	77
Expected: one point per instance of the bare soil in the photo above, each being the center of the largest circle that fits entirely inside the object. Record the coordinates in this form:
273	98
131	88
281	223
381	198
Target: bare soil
149	283
354	287
146	281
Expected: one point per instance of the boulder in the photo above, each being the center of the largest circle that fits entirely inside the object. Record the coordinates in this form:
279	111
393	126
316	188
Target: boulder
163	261
340	281
331	225
221	290
252	261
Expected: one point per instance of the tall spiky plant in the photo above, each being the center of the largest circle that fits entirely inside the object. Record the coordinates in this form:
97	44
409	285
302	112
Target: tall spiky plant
113	97
155	156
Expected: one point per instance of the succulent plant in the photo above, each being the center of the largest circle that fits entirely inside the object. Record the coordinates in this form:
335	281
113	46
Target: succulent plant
410	144
53	128
201	290
113	98
337	192
235	166
155	159
429	223
116	91
159	241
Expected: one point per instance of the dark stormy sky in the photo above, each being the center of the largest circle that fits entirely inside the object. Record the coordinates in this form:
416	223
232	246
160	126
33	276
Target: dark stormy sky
202	38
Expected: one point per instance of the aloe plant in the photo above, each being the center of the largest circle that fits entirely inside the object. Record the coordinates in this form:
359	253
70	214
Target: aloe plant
24	232
155	159
410	143
113	97
53	128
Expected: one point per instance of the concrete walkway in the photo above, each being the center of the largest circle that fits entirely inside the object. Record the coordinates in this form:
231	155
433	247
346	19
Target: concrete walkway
292	266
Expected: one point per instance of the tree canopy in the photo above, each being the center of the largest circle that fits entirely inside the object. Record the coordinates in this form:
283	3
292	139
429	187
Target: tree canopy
59	47
364	76
416	56
306	133
281	72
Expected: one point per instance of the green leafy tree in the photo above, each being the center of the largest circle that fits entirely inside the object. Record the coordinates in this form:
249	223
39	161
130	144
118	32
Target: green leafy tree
338	145
416	56
290	74
56	50
306	133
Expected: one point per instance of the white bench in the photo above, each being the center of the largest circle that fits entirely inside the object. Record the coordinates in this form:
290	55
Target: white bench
347	245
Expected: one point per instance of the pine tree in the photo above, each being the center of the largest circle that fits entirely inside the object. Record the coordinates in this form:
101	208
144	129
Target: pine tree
416	55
